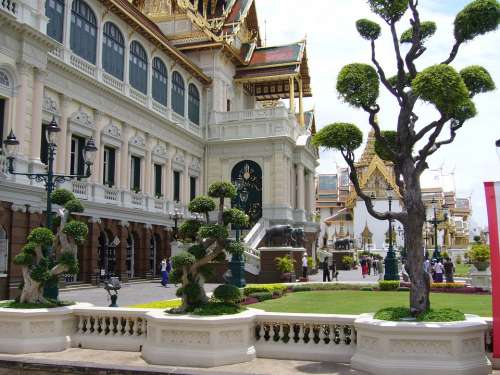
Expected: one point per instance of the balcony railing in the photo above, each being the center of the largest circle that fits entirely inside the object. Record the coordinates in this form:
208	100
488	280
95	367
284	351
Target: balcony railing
80	189
112	81
249	115
9	6
82	65
111	194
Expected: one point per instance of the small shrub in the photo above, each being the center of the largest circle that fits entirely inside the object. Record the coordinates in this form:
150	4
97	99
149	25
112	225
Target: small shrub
387	285
262	296
272	288
458	259
392	313
285	264
447	285
347	261
301	288
228	293
366	289
61	196
479	253
441	315
218	308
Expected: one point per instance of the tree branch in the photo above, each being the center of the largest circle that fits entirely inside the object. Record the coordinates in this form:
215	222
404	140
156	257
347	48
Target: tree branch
417	48
376	128
425	130
353	175
401	65
453	53
382	76
454	126
428	148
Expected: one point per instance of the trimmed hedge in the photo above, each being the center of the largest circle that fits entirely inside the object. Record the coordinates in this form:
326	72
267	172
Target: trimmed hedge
261	296
386	285
271	288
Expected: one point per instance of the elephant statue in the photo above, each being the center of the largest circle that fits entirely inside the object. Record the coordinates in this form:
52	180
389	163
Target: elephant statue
344	244
282	232
298	237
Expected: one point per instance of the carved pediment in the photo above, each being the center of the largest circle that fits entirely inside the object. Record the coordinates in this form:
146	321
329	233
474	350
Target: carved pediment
160	150
49	104
113	131
195	164
179	157
138	141
83	119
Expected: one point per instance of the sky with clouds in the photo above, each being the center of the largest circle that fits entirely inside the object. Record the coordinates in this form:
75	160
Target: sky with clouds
332	42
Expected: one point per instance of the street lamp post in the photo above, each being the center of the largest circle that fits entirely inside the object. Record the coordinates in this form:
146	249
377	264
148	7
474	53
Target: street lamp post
176	216
391	262
50	179
435	221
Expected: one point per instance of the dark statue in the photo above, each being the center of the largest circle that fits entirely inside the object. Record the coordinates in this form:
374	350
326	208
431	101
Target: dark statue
281	232
344	244
298	237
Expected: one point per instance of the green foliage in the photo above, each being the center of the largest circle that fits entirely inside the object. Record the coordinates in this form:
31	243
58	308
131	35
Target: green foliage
271	288
189	229
347	261
49	305
339	136
228	293
40	272
23	259
393	81
218	308
442	86
477	79
78	230
427	29
358	85
74	205
41	236
390	10
207	270
479	253
387	285
391	139
175	276
29	248
458	259
367	289
285	264
466	110
67	258
393	313
202	204
235	248
441	315
236	217
477	18
192	291
61	196
182	259
368	29
198	251
261	296
222	190
213	231
301	288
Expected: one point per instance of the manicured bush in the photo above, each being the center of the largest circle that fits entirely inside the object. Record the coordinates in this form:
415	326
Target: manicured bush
447	285
272	288
368	29
441	315
366	289
301	288
339	136
218	308
386	285
228	293
347	261
393	313
61	196
262	296
285	264
213	231
358	85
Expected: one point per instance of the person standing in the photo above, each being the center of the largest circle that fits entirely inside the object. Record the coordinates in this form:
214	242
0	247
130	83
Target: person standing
449	269
380	270
326	270
304	266
369	264
438	271
163	270
335	273
364	266
375	266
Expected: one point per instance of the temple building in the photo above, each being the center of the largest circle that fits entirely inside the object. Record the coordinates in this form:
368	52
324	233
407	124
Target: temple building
176	94
344	215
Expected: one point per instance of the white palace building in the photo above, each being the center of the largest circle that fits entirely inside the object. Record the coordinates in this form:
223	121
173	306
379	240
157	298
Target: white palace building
176	94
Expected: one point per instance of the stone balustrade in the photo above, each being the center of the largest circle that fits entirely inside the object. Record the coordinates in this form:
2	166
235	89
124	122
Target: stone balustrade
9	6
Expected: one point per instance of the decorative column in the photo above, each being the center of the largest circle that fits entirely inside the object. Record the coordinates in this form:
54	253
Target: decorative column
124	158
148	166
36	114
292	95
292	186
121	251
168	180
99	124
118	165
300	187
301	105
21	99
90	267
62	146
185	183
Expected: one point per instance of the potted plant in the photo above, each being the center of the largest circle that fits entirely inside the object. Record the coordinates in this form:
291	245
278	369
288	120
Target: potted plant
347	262
285	265
479	255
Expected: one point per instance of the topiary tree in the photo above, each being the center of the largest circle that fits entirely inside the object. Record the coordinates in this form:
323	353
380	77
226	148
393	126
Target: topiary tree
193	266
37	268
450	92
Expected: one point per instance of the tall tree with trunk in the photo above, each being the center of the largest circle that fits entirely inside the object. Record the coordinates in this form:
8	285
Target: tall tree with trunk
211	243
38	266
410	145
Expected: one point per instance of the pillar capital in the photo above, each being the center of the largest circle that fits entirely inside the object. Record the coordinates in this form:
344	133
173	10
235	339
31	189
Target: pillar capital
24	68
18	208
41	75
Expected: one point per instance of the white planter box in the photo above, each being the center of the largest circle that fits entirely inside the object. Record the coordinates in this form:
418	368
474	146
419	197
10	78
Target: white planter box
189	340
481	279
36	330
412	348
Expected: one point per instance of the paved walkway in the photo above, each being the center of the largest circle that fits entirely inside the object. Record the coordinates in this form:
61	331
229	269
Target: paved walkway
352	276
129	294
128	362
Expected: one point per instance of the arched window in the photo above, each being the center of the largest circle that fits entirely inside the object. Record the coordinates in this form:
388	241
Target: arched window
4	79
194	104
54	10
83	40
138	66
113	48
160	79
178	93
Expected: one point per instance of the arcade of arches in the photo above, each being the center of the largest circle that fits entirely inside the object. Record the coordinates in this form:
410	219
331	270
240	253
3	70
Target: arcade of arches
124	249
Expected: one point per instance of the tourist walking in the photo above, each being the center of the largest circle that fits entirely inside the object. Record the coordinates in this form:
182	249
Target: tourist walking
369	264
326	270
364	267
335	273
304	266
449	270
375	266
163	271
438	272
380	270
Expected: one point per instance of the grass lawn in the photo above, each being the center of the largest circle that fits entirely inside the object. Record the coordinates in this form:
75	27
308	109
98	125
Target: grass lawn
462	270
357	302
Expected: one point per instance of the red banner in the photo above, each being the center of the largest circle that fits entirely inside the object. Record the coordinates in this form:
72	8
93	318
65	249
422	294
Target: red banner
492	190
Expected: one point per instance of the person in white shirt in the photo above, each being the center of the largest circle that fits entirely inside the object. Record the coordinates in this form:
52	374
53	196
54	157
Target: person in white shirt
438	272
164	274
304	266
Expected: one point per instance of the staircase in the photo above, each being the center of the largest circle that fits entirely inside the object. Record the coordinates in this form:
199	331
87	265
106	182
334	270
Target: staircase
251	242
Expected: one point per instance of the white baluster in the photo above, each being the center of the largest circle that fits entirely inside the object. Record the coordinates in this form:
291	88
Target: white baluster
127	327
80	324
341	335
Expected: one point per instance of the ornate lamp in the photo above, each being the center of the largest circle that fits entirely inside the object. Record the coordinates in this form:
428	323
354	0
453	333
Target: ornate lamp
11	145
51	131
90	151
